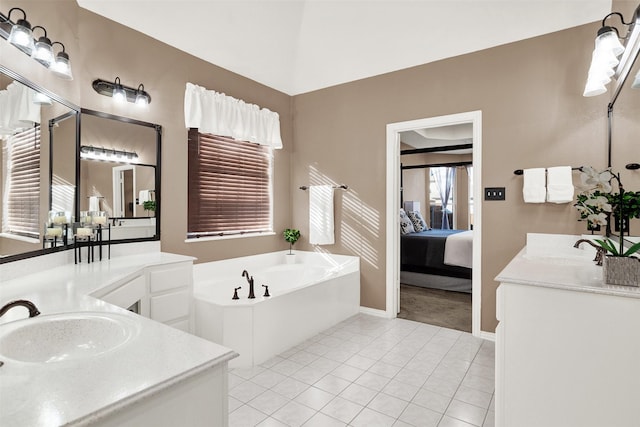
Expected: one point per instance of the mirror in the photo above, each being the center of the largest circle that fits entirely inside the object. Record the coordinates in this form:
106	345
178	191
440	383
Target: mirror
120	174
39	138
625	129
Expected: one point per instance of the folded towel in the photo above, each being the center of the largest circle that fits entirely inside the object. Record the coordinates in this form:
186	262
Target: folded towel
560	185
533	188
321	215
94	204
144	196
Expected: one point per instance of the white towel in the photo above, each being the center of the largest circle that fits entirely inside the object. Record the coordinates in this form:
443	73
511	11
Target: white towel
94	204
560	185
321	215
533	188
144	196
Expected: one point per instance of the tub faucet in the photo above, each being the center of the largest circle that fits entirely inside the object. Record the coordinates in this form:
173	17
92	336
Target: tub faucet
33	310
245	274
599	250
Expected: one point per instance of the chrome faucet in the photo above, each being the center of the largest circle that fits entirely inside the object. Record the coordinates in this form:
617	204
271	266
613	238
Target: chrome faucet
600	251
245	274
33	310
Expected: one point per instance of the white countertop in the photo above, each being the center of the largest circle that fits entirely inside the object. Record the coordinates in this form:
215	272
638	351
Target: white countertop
81	391
567	271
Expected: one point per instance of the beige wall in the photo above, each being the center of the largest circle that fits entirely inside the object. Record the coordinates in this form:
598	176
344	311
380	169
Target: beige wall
100	48
530	94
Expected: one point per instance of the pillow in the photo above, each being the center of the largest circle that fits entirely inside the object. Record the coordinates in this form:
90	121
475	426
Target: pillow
406	226
418	222
403	214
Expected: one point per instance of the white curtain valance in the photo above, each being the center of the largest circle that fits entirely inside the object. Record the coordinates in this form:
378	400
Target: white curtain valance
219	114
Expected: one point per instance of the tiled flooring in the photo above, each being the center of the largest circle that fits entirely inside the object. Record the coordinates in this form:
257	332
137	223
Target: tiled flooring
368	371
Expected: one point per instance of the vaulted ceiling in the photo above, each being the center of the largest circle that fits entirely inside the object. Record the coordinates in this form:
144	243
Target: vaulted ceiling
297	46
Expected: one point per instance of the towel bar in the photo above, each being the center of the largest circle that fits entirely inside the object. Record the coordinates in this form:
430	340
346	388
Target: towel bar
342	186
521	171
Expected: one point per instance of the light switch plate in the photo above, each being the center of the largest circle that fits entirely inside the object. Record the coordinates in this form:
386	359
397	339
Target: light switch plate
494	193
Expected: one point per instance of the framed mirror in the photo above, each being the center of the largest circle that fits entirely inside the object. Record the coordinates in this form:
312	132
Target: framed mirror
39	136
624	122
120	174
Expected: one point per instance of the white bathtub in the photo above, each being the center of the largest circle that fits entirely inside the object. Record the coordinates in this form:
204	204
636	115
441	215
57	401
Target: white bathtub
309	296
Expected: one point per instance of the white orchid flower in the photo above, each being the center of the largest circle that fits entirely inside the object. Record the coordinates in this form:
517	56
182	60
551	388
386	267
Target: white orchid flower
601	203
597	219
592	179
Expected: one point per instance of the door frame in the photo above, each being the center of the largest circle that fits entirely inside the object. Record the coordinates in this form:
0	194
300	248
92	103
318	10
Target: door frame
393	205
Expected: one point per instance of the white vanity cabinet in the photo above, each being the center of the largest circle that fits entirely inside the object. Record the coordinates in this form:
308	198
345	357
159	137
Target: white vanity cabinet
567	357
171	295
163	293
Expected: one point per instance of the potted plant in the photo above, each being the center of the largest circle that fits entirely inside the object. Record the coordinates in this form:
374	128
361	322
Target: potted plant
596	204
149	205
291	235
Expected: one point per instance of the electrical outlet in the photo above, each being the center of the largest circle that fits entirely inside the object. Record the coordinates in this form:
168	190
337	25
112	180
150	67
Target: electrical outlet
494	193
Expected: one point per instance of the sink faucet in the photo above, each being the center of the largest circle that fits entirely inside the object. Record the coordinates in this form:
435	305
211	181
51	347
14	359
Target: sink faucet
245	274
599	250
33	310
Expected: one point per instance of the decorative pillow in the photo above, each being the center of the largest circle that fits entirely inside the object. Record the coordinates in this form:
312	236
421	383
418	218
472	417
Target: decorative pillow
418	222
406	226
403	214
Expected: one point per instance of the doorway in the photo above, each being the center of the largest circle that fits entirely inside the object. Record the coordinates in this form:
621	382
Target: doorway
124	191
394	131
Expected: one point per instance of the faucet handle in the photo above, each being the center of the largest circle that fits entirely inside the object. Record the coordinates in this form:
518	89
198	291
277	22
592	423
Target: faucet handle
235	292
266	291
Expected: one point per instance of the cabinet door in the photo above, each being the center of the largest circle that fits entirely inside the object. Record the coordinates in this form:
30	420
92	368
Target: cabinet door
131	292
170	307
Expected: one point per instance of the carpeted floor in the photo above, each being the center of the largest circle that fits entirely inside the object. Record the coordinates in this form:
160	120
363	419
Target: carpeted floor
435	307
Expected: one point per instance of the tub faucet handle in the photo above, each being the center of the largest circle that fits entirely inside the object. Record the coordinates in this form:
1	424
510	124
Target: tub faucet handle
266	291
235	292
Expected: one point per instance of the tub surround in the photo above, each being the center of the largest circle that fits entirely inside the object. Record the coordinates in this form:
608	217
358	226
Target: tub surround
566	344
158	361
309	296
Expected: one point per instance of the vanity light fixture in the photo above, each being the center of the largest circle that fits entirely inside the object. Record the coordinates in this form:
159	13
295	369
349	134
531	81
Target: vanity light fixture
119	91
20	34
43	51
611	57
101	153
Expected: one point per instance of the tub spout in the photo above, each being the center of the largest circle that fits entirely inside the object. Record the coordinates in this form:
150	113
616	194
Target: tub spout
599	250
245	274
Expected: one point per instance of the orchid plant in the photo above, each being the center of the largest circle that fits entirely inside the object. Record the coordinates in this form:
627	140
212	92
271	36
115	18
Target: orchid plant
597	202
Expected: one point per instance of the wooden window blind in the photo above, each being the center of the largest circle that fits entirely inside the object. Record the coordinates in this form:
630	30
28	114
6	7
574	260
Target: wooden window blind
21	179
230	188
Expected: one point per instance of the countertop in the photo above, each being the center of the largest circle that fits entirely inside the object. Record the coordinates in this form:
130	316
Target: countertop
78	392
567	270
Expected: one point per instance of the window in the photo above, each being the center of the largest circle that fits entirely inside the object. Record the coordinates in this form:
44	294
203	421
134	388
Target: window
21	183
230	188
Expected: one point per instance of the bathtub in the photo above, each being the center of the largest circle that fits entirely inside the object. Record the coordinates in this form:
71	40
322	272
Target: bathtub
308	296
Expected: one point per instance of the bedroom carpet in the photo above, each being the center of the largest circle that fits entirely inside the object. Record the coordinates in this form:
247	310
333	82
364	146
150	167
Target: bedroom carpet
436	307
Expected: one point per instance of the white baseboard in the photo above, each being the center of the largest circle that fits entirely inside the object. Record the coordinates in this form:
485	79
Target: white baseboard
373	312
490	336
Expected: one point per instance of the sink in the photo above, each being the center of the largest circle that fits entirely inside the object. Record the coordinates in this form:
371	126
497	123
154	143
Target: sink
64	337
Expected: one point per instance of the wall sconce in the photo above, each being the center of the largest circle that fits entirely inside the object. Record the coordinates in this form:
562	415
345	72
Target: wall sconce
120	92
20	35
108	154
606	62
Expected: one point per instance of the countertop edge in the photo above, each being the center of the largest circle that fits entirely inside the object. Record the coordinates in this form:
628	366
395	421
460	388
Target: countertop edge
95	416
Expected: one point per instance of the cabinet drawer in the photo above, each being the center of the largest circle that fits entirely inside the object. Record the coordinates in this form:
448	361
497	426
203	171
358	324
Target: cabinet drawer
177	276
170	306
127	294
182	325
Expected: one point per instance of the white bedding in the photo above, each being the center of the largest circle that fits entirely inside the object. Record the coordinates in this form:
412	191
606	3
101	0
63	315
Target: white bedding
458	249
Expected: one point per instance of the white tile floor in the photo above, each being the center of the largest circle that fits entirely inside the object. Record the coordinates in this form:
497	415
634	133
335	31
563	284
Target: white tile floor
368	371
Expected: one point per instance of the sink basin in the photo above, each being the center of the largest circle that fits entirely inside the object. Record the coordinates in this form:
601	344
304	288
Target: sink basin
63	337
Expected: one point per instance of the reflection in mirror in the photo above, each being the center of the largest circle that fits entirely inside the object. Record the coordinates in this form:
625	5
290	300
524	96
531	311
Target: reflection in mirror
119	174
625	145
30	118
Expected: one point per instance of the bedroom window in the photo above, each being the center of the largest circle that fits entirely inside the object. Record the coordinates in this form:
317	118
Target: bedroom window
230	187
442	184
21	183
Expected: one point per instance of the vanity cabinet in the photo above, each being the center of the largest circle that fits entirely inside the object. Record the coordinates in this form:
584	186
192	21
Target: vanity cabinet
162	293
566	357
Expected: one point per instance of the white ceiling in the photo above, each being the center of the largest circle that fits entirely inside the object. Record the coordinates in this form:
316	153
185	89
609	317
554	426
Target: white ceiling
297	46
443	136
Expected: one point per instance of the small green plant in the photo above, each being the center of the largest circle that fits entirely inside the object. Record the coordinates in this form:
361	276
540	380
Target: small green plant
610	246
291	235
149	205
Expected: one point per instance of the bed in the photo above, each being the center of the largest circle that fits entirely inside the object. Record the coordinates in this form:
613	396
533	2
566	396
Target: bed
440	259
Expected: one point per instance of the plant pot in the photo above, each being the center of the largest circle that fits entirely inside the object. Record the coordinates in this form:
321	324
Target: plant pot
290	258
618	270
